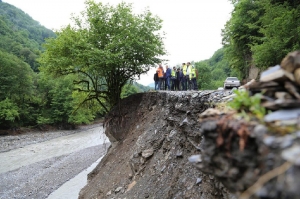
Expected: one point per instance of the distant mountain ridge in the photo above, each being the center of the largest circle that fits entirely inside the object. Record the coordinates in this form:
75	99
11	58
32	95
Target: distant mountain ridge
20	35
141	87
152	85
21	21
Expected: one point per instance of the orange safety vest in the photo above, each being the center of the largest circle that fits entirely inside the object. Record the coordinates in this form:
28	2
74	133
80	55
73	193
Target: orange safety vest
160	72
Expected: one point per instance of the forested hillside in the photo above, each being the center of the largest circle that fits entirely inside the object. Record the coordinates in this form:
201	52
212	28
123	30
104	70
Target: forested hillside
29	97
21	41
20	35
261	33
213	72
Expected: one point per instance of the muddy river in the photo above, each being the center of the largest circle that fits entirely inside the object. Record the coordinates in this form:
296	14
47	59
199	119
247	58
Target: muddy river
55	168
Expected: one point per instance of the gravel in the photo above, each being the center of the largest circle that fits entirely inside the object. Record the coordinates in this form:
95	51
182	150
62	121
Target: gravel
11	142
40	179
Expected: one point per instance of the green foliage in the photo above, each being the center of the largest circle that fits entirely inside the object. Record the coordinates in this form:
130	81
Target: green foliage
261	33
28	98
9	112
61	100
213	72
107	47
281	34
240	31
128	89
133	88
20	35
17	84
61	105
141	88
244	103
204	78
24	24
16	79
83	113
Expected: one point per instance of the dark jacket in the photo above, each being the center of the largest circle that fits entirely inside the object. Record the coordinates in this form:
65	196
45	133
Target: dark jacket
168	72
180	75
155	77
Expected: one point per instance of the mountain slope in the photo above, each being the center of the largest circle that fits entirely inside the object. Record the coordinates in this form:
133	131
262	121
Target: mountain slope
20	35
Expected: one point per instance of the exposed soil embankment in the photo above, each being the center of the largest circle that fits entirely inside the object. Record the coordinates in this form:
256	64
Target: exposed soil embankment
153	135
172	145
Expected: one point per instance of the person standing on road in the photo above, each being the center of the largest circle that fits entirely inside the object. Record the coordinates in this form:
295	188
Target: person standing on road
164	85
184	81
181	80
168	78
177	80
193	77
187	76
173	79
160	74
156	80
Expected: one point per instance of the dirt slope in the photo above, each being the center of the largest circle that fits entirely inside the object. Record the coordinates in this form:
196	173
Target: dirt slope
151	146
172	145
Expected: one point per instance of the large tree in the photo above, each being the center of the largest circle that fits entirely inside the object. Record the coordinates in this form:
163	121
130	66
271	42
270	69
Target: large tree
280	27
107	47
261	33
240	32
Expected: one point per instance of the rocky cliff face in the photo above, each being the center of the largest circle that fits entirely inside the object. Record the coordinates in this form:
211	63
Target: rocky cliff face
172	145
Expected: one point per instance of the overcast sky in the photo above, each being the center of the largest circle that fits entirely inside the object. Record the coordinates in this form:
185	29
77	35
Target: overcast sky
192	27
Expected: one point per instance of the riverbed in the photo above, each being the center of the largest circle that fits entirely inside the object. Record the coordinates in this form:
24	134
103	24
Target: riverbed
51	167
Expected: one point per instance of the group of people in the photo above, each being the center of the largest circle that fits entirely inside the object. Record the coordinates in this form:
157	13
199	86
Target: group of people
176	79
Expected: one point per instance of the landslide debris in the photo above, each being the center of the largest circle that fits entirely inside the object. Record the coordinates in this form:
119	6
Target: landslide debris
258	158
242	154
153	135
